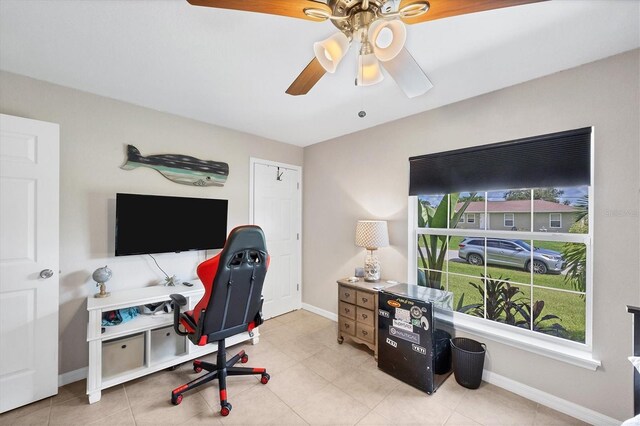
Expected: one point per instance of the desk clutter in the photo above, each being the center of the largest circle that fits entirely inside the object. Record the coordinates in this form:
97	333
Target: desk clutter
119	316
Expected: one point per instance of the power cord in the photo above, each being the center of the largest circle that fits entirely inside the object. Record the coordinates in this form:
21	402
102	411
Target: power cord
156	262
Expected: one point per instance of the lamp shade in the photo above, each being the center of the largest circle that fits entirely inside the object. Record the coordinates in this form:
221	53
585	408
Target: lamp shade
368	70
330	52
388	38
372	234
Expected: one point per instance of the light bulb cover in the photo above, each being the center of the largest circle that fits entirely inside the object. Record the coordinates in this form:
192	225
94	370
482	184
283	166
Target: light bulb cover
329	52
369	71
399	32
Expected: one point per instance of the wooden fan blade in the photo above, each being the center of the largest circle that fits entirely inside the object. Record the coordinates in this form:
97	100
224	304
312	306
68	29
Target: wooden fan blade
292	8
309	76
445	8
407	74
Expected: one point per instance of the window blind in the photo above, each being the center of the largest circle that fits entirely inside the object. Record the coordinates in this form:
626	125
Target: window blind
555	159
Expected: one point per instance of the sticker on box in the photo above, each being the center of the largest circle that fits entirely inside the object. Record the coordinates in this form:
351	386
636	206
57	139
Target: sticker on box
404	335
416	312
403	315
383	313
403	325
419	349
392	343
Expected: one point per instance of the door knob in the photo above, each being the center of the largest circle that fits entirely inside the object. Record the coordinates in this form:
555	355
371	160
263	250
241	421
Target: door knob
46	273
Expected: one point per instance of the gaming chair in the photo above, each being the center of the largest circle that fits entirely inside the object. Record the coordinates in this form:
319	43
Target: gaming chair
232	304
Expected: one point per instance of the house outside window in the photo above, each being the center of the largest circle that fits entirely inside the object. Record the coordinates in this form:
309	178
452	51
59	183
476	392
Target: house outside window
508	220
471	217
461	219
555	220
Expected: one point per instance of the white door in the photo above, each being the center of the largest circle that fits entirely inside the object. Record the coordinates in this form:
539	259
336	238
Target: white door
481	220
276	207
29	164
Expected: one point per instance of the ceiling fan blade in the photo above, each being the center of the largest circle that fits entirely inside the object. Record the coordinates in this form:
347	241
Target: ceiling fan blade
292	8
307	78
445	8
407	74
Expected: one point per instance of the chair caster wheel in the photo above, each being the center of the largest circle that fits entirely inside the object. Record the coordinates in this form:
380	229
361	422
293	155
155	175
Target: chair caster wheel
265	378
225	410
197	369
176	399
244	359
340	340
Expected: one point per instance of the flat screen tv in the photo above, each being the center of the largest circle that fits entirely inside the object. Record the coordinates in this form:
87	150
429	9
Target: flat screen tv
159	224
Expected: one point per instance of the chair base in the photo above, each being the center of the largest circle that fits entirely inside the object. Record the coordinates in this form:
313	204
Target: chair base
214	371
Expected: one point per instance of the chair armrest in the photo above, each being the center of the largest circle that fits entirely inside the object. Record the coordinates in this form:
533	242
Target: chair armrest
178	299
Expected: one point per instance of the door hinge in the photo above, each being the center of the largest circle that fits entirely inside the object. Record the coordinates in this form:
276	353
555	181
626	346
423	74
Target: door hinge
298	185
298	237
298	287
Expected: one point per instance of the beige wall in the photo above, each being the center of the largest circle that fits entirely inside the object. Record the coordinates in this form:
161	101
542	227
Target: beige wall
93	134
365	176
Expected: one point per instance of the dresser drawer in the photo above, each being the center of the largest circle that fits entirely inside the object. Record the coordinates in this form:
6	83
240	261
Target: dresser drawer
347	294
364	316
347	310
364	299
365	332
347	326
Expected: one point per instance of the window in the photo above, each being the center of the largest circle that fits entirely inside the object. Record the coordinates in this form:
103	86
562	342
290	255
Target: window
513	279
508	220
461	219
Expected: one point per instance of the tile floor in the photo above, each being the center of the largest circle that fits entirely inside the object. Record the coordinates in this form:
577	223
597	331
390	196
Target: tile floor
314	380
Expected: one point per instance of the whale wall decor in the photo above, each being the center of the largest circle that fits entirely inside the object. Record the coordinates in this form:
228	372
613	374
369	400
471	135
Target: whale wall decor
178	168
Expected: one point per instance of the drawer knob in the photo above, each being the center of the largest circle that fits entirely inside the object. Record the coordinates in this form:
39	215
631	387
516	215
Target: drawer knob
347	310
365	300
346	326
364	332
364	316
347	294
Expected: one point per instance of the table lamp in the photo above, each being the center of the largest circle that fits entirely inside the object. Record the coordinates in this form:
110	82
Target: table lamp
372	234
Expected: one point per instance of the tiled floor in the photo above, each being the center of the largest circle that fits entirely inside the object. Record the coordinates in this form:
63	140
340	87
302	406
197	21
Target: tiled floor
314	380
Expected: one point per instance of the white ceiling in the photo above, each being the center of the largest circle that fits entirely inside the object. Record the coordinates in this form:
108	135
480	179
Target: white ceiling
231	68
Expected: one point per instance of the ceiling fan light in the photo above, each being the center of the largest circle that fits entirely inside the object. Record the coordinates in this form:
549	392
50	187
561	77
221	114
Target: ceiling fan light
369	71
386	52
330	52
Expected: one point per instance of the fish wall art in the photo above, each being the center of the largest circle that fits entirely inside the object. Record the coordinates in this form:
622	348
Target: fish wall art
180	168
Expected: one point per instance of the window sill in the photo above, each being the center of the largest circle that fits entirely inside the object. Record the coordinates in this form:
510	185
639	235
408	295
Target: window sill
569	352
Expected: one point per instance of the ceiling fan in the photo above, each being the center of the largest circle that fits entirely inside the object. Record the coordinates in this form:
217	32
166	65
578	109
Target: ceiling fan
377	25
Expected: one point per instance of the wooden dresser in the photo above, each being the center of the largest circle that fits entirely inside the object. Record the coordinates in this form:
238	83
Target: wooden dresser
357	312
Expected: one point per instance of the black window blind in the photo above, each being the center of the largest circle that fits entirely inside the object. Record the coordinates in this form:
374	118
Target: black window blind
555	159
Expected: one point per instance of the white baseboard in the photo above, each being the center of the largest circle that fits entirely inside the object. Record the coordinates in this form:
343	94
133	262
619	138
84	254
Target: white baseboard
321	312
562	405
72	376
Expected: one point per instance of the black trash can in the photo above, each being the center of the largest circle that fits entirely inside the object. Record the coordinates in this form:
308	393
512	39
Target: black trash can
441	352
468	361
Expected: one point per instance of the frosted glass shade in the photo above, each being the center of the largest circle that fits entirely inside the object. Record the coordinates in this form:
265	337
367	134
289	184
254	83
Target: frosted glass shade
368	70
386	50
330	52
372	234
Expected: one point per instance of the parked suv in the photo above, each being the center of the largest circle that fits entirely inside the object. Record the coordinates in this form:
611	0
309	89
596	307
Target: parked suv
511	253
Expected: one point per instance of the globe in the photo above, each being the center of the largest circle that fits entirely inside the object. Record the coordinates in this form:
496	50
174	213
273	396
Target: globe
102	275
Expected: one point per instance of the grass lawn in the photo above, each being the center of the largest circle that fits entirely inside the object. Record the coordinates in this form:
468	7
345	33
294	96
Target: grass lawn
569	307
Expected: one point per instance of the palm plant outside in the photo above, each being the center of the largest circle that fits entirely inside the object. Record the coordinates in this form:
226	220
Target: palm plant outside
432	249
576	253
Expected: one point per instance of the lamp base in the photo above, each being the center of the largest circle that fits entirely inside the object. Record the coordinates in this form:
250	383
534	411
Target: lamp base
371	268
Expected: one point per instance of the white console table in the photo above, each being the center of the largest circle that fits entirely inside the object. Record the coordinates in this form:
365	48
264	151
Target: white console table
150	338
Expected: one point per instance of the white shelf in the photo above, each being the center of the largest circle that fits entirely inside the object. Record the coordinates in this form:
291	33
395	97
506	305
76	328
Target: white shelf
136	325
141	324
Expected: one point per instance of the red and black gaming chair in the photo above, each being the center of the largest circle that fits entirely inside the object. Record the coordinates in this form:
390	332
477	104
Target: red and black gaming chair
232	304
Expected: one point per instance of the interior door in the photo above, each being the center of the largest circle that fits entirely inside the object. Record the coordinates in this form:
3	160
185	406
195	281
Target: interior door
276	208
29	191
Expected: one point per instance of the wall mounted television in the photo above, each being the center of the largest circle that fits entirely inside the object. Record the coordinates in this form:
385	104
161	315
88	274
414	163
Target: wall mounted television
148	224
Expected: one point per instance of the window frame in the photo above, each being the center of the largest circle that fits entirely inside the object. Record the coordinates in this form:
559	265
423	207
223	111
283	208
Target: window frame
551	220
468	215
513	220
575	353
